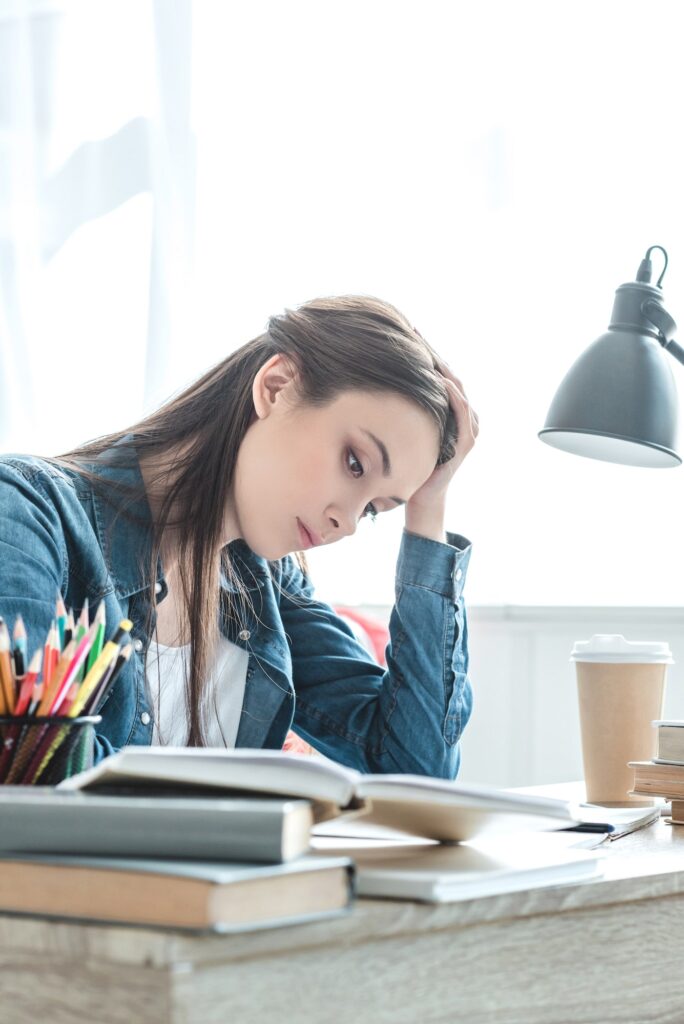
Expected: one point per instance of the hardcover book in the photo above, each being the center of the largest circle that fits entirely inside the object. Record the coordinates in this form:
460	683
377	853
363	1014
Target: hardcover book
205	896
165	823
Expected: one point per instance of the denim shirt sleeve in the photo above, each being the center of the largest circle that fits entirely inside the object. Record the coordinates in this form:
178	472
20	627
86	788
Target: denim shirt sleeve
34	554
410	716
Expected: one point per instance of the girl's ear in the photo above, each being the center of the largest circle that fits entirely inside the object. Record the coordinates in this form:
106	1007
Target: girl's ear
273	385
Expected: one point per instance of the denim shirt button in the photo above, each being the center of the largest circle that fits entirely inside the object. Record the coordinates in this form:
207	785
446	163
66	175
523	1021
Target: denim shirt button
145	718
138	645
458	574
244	634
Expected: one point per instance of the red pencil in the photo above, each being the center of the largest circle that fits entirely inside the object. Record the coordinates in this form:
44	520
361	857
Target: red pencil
80	654
36	697
71	696
47	654
26	687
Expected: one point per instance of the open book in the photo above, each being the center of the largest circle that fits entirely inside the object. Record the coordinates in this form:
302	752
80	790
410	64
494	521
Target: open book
417	804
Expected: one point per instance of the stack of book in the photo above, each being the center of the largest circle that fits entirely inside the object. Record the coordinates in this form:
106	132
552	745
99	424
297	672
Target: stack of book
213	839
664	775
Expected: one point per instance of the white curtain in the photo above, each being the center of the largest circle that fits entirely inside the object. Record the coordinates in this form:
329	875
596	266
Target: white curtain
176	172
97	206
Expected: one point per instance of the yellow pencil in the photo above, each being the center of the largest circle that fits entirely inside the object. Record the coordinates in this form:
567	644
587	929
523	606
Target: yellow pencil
100	666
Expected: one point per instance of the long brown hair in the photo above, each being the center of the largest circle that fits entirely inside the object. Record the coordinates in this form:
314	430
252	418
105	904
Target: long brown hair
337	344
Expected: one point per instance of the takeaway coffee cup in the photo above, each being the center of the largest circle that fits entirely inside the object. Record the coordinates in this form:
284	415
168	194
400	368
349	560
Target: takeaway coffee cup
621	686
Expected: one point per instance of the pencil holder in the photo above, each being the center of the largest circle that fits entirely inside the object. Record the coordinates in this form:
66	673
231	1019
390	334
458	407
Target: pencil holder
44	751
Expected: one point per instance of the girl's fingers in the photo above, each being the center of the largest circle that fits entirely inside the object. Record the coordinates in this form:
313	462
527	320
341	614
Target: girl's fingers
463	405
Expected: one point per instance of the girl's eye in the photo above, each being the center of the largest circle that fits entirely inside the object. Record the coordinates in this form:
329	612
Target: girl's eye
370	511
354	464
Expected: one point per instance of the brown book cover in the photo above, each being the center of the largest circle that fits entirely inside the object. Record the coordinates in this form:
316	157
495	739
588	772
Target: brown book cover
655	779
205	896
677	812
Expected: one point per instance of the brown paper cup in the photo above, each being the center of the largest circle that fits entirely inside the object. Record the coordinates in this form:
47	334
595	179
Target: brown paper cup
617	703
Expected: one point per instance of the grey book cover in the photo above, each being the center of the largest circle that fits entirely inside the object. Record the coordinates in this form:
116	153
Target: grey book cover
217	827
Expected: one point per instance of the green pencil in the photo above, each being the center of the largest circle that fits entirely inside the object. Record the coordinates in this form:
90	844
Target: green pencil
81	630
61	617
98	642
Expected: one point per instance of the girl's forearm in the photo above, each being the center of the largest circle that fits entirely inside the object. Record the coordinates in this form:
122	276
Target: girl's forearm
427	522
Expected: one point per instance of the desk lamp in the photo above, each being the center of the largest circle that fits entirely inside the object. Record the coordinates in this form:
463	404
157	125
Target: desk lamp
618	401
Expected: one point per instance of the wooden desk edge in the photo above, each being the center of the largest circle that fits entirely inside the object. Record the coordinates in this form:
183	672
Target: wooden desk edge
646	865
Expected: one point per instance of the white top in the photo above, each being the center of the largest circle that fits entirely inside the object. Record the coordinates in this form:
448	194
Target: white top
612	647
166	671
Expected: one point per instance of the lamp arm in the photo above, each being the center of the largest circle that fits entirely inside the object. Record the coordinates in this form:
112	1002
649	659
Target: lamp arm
666	326
675	350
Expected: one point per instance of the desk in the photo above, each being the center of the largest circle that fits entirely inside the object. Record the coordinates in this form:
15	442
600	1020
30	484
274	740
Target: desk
601	951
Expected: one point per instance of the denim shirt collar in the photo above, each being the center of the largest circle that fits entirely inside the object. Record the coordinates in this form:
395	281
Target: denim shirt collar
126	537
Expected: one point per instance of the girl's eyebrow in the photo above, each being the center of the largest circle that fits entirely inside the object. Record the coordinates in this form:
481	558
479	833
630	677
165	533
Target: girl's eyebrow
384	455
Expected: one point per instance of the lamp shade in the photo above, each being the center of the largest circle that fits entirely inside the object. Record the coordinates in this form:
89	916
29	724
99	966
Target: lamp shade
618	402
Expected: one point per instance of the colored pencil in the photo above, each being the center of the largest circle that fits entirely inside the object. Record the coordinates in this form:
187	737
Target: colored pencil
47	653
96	649
56	679
78	672
83	619
81	630
69	699
6	675
80	654
36	696
20	646
98	696
69	628
55	652
60	618
27	684
96	673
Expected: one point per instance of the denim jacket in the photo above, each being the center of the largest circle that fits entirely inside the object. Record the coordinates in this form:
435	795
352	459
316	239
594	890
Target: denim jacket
306	669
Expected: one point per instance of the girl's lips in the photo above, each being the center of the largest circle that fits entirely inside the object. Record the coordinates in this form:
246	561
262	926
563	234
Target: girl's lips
309	541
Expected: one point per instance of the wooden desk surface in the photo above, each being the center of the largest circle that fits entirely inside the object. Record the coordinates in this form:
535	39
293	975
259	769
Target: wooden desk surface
605	950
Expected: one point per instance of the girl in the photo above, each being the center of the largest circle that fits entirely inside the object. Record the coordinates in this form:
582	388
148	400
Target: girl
185	524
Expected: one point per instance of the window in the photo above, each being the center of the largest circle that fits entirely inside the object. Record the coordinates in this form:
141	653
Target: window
496	170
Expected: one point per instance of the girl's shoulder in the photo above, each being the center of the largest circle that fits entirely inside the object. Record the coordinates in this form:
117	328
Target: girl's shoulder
33	467
33	479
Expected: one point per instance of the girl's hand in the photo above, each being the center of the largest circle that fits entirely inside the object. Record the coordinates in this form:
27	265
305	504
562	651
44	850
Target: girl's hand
425	508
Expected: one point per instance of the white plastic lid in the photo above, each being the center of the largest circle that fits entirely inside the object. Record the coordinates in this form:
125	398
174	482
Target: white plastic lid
612	647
